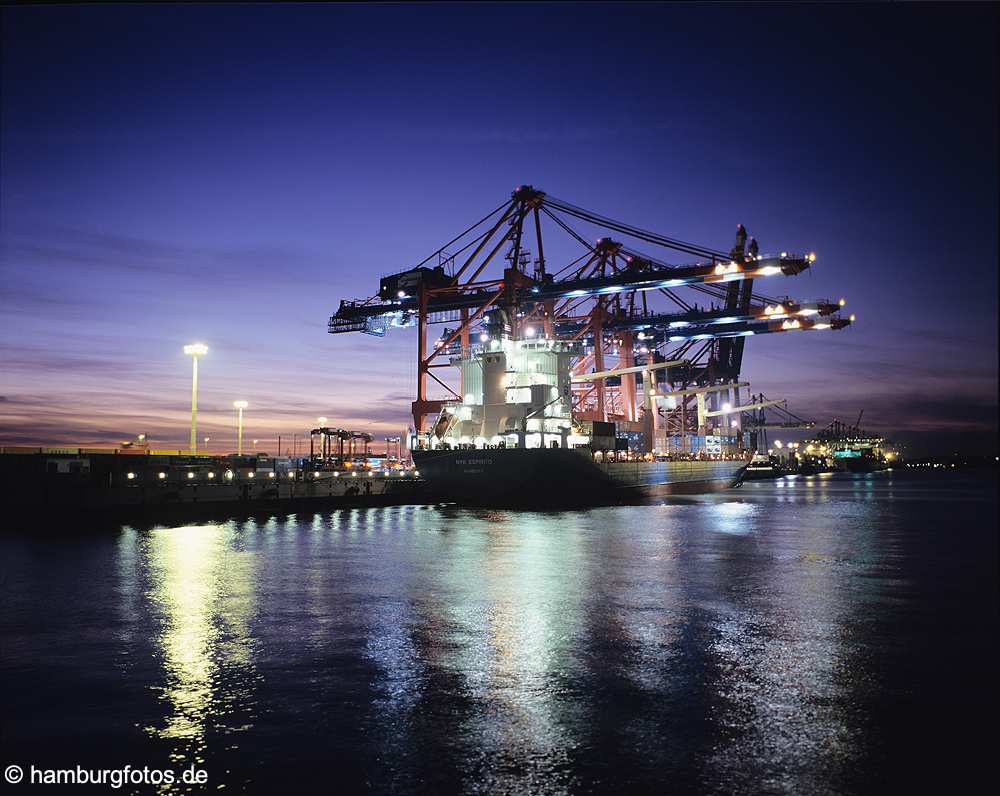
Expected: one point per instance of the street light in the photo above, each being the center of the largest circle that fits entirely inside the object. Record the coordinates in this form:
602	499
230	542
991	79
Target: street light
239	406
195	350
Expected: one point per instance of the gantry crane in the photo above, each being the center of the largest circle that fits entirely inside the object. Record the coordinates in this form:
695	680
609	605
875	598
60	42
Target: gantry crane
771	415
327	438
651	355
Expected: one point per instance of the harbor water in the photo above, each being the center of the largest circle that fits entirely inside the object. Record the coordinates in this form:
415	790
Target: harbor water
823	634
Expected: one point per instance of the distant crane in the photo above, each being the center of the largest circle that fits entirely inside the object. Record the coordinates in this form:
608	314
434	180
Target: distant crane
759	422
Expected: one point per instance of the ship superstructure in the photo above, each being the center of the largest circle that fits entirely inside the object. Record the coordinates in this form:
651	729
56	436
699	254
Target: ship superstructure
512	438
516	393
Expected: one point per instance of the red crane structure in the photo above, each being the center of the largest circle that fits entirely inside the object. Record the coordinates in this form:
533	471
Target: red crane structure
651	356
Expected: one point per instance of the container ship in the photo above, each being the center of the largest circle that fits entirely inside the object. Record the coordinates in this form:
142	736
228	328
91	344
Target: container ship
526	423
573	476
849	448
512	439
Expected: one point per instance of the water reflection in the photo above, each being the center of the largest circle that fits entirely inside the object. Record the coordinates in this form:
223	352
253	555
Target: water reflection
734	516
726	643
778	654
514	644
201	592
543	627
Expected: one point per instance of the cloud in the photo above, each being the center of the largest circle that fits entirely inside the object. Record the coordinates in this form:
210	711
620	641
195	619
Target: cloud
26	359
106	417
70	248
896	412
16	295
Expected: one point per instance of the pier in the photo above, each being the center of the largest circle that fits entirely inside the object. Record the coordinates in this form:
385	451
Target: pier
64	481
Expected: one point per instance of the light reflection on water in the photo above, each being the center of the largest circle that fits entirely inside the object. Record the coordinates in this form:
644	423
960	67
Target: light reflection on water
765	639
201	592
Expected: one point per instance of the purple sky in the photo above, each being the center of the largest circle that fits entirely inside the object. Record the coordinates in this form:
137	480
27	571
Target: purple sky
228	174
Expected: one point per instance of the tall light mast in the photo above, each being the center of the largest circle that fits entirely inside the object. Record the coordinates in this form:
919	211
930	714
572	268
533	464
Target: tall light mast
195	350
239	406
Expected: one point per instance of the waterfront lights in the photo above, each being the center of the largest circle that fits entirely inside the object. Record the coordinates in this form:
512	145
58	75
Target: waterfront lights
291	475
777	444
239	406
161	476
211	476
195	350
416	474
229	475
322	421
250	475
529	331
190	476
130	476
270	475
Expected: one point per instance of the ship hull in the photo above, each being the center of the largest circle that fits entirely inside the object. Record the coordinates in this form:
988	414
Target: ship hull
864	465
561	476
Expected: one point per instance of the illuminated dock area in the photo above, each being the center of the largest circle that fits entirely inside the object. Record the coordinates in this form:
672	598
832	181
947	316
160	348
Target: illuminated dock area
64	480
